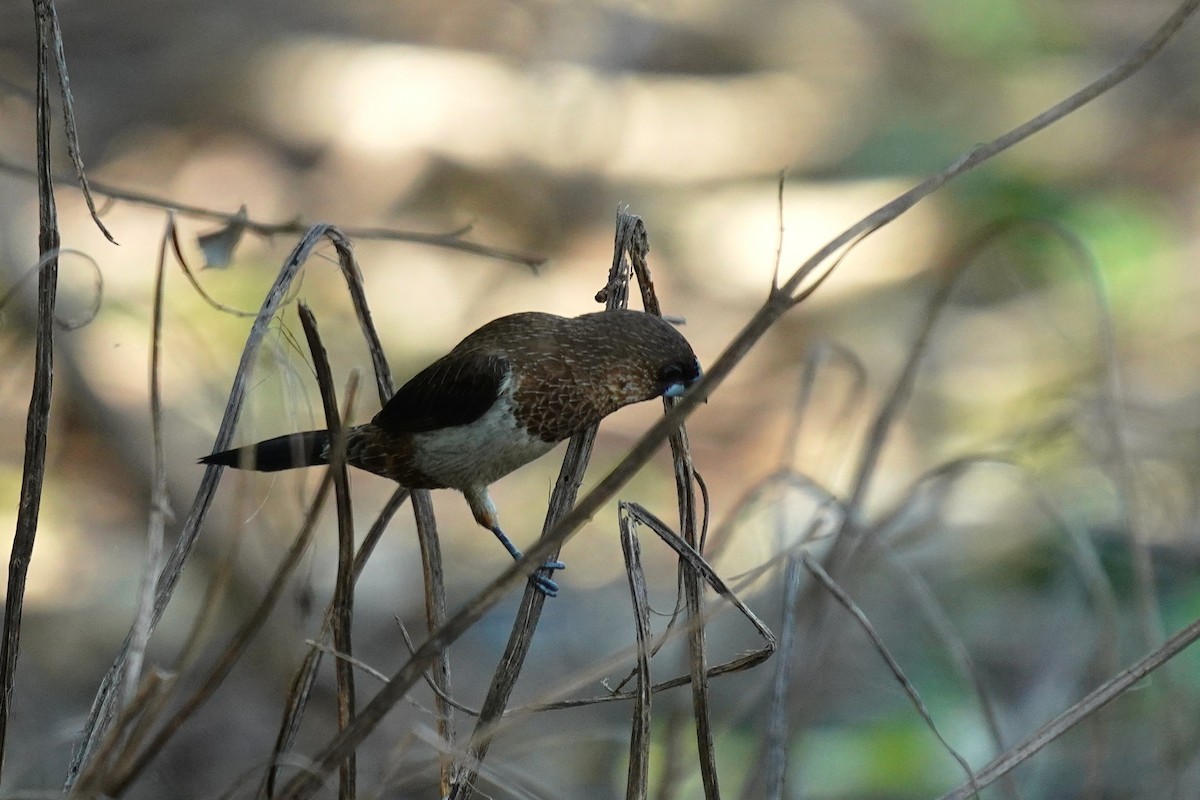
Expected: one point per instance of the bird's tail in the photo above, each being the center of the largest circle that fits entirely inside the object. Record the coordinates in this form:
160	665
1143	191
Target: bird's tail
283	452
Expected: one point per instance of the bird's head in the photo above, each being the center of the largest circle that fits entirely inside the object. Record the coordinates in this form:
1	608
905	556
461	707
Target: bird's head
643	355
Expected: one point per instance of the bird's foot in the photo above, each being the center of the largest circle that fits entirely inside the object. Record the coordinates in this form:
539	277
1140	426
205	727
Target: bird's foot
543	583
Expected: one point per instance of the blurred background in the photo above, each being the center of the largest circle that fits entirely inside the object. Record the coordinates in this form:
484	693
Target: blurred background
1055	542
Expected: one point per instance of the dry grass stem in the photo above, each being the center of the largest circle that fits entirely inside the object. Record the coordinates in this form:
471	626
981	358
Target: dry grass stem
767	779
239	641
111	758
37	420
51	27
160	510
305	677
638	774
343	594
689	580
102	707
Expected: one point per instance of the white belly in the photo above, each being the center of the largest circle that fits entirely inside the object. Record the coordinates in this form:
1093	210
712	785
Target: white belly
478	453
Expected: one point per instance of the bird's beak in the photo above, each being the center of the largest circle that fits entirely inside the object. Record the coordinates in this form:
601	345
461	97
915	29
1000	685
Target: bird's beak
677	388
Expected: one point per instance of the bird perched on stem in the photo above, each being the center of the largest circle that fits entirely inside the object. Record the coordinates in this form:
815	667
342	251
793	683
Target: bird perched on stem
502	397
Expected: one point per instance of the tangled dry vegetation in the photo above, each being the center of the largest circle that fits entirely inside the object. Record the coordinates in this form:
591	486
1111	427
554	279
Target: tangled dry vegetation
809	584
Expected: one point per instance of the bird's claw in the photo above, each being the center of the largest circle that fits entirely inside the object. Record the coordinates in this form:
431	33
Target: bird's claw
543	583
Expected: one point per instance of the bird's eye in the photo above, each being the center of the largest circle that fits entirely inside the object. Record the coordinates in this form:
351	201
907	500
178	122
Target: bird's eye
672	373
676	377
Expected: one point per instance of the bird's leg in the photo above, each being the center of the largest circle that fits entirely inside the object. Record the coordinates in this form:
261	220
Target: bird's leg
485	514
543	582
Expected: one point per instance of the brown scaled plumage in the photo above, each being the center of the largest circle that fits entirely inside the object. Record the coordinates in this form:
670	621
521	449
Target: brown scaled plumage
502	397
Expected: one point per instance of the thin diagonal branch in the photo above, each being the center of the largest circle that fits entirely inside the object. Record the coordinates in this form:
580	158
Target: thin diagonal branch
778	303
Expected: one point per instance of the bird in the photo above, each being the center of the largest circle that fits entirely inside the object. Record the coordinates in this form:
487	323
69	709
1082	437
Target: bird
502	397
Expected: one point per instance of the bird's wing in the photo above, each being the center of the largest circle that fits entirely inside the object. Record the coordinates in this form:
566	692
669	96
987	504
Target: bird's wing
454	390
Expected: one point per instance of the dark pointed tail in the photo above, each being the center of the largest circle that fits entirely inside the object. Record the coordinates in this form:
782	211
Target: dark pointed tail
282	452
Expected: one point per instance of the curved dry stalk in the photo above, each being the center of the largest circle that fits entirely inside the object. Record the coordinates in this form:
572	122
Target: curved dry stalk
52	257
103	705
116	784
694	562
1121	473
426	524
957	266
305	677
693	569
177	246
853	532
